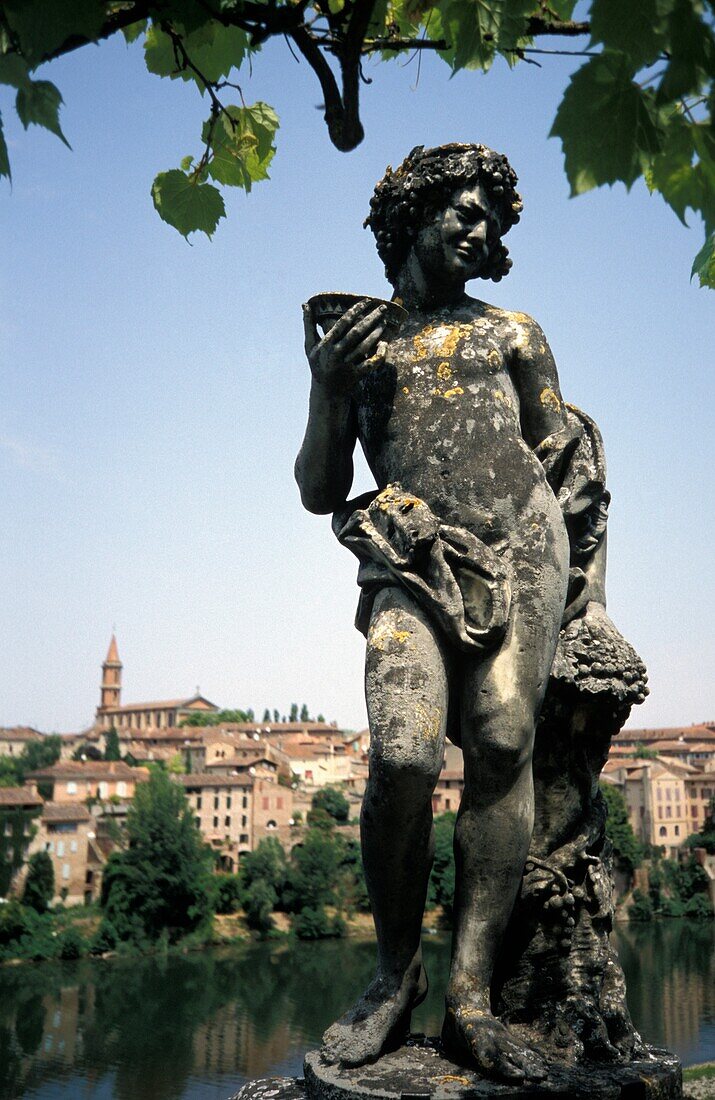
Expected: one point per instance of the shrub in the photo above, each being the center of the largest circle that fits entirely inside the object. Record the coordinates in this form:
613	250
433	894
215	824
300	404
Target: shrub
227	893
313	924
105	939
40	882
71	944
259	901
641	908
333	802
699	907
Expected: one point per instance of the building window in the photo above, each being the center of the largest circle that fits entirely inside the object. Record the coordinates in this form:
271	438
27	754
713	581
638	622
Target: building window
215	823
265	803
103	789
122	789
65	871
660	794
198	801
693	811
227	821
198	822
271	825
668	811
279	803
668	794
662	831
73	845
677	830
243	839
60	847
228	801
71	788
215	802
244	802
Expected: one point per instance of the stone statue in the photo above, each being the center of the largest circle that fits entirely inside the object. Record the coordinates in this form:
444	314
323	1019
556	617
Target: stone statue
482	562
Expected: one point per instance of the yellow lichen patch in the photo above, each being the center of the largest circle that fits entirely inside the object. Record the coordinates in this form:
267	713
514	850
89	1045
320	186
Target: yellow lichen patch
398	301
494	357
389	499
549	399
453	392
400	636
429	722
405	389
436	392
419	342
455	333
453	1077
444	371
502	398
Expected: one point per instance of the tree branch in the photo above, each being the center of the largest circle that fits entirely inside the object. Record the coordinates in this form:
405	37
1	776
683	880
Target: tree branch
343	136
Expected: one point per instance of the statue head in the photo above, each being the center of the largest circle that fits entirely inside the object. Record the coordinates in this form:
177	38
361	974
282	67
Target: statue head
411	197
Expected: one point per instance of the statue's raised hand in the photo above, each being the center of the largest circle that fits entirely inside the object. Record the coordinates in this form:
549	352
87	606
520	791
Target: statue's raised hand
338	359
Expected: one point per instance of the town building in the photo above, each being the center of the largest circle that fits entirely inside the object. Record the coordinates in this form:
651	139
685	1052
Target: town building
20	807
80	780
235	812
66	833
140	716
14	739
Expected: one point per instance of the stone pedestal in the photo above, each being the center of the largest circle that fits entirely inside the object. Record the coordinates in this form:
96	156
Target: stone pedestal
420	1071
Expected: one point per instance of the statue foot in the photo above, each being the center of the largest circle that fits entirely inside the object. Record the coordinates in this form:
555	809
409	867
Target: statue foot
378	1022
472	1035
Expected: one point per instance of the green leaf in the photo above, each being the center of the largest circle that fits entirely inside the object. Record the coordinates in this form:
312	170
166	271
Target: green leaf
470	27
608	126
186	162
242	145
212	48
704	263
634	28
13	70
44	28
186	204
38	103
4	158
692	53
134	30
671	171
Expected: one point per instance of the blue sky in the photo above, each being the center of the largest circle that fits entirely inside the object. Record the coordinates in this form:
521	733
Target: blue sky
153	394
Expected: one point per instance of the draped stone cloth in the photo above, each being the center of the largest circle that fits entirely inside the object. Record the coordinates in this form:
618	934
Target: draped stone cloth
453	575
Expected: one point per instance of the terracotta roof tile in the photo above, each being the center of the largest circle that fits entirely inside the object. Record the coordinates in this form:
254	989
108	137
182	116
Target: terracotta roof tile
19	796
65	811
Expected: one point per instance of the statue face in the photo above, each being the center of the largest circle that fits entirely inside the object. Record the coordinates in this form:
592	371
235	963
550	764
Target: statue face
453	247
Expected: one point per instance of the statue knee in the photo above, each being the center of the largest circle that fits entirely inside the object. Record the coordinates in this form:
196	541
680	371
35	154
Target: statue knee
406	769
500	750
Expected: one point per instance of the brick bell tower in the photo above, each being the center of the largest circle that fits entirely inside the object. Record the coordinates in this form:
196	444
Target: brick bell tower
111	689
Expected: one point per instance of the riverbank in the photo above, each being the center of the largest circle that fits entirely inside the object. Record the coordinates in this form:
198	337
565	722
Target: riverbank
699	1081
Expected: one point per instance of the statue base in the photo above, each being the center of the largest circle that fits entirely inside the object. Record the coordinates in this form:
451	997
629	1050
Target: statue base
419	1071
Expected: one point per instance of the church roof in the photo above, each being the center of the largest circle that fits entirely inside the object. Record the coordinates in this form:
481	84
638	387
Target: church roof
161	704
113	653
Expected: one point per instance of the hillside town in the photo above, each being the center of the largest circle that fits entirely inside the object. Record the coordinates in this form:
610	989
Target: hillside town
246	781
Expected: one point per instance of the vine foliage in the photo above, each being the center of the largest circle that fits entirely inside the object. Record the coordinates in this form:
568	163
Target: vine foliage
640	105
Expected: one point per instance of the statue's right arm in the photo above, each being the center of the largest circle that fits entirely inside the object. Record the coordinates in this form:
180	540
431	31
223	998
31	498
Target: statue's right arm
324	467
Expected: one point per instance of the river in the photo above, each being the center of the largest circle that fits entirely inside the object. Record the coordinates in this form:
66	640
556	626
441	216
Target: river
193	1027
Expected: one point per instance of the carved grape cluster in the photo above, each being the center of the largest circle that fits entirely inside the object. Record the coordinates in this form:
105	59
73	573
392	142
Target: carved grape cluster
409	197
594	655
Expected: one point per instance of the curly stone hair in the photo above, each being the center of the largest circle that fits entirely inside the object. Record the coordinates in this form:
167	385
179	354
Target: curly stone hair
411	196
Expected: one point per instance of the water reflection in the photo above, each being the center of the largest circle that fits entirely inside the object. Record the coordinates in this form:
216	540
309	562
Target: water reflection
193	1027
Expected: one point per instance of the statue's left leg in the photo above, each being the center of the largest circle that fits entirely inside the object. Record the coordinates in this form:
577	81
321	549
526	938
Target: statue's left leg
501	698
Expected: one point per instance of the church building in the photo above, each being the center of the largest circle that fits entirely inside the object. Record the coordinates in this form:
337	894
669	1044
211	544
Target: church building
140	716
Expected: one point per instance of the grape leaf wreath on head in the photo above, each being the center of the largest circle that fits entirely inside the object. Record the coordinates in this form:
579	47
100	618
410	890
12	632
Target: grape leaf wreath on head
640	105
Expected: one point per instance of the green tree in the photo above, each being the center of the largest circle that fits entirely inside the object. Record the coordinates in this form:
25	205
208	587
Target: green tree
333	802
627	849
642	752
111	745
162	880
442	877
706	837
641	907
313	872
304	713
35	756
293	712
87	752
217	718
40	882
639	106
267	863
266	715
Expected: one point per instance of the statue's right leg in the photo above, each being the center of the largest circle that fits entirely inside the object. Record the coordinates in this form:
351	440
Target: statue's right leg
407	696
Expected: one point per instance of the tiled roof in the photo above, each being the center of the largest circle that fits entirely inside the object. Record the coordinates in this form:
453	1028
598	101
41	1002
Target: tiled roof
19	796
90	769
704	731
203	780
65	811
242	762
162	704
165	733
20	733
